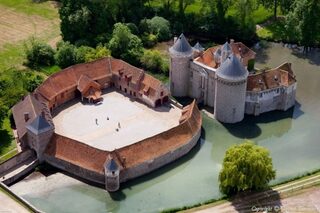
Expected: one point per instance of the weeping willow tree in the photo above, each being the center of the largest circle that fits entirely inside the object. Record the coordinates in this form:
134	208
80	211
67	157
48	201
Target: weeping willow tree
246	167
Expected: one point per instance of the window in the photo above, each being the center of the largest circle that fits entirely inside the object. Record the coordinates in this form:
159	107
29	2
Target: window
161	94
260	95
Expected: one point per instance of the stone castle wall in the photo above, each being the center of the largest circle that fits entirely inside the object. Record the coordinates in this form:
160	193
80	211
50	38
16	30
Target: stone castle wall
15	160
153	164
75	169
281	98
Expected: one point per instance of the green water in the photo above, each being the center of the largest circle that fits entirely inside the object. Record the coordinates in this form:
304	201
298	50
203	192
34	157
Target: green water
293	138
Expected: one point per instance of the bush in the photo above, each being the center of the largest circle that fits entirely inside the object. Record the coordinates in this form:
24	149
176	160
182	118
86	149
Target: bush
38	54
81	53
66	55
149	40
160	27
153	61
245	167
97	53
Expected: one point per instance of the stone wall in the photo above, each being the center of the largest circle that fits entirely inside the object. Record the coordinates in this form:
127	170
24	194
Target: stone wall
15	160
75	170
281	98
153	164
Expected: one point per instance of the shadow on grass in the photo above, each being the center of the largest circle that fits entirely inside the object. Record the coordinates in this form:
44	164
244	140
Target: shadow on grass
313	56
263	201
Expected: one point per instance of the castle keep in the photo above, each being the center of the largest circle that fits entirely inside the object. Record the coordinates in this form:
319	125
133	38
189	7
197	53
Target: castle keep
218	77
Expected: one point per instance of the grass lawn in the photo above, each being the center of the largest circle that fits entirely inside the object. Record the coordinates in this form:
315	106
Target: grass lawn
44	9
274	31
7	142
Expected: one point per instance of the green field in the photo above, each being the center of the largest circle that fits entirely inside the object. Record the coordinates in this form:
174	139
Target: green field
40	20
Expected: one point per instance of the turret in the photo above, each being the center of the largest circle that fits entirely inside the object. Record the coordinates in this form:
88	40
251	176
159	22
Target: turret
226	51
231	84
112	172
180	53
197	50
39	135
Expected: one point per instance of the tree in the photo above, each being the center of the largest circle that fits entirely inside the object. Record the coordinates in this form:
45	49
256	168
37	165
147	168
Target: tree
38	53
245	167
153	61
66	55
303	22
274	4
219	7
3	112
245	10
160	27
125	45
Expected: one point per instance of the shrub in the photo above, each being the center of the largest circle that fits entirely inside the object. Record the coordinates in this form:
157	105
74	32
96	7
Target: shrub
153	61
38	54
99	52
81	53
66	55
149	40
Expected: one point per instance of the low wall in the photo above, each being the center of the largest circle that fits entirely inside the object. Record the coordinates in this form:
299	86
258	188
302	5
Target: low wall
25	171
153	164
15	160
75	170
20	199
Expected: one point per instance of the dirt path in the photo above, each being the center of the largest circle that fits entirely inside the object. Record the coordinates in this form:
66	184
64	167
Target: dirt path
10	204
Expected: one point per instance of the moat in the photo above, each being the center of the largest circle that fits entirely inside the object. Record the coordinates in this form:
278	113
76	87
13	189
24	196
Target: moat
292	137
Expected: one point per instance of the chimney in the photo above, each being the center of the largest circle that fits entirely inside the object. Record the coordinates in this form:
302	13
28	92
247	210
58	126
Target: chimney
175	39
231	41
26	116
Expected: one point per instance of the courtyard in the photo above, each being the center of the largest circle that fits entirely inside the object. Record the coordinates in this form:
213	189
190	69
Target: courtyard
116	122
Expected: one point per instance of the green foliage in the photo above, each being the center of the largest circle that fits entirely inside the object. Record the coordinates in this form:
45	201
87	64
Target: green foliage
160	27
303	22
153	61
82	52
3	112
245	167
38	53
251	64
66	55
149	40
97	53
125	45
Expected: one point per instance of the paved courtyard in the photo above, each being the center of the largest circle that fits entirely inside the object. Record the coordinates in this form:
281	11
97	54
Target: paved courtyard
136	120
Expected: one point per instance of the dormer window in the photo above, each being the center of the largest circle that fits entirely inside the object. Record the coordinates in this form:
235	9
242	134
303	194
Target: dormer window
276	78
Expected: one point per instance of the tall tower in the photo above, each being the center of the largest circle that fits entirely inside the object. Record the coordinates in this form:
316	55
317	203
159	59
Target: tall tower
231	84
180	55
39	135
112	172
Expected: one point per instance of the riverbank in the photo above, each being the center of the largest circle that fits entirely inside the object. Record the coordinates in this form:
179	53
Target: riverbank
270	198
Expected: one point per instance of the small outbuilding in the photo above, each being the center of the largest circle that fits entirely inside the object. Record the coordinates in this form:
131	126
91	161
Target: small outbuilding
89	89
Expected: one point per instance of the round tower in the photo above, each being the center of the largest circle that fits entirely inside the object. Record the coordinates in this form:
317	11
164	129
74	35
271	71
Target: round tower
231	85
180	55
112	172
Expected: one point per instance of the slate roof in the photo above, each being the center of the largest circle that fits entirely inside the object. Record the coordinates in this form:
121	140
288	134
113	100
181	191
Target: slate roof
198	47
28	105
232	69
181	46
112	165
226	47
39	125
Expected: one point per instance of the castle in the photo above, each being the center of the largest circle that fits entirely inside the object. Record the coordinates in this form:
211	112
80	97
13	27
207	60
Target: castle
36	131
218	77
